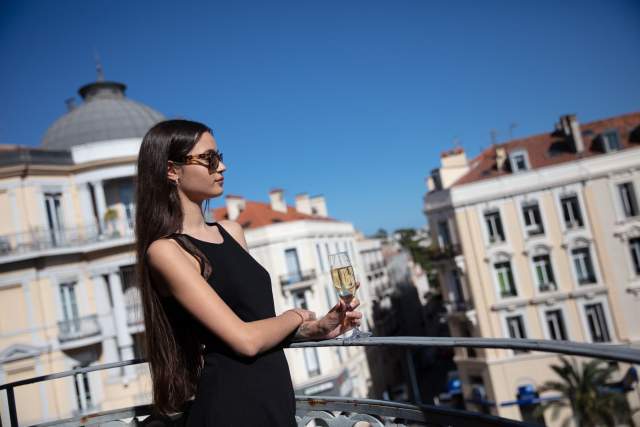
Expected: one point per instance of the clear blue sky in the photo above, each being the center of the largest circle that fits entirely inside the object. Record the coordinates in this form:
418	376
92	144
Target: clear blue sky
351	99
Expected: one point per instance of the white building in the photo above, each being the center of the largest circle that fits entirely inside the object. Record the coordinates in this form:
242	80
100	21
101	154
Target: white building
293	244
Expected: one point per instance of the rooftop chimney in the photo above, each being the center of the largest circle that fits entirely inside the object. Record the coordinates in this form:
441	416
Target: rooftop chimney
570	128
235	205
276	197
501	158
318	206
303	204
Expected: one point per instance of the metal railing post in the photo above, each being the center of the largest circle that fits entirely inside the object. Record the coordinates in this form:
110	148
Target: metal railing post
13	415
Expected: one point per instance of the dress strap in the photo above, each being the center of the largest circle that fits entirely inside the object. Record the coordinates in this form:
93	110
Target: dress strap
187	245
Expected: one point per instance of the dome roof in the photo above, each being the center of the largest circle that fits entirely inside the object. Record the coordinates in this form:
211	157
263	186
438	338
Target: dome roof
105	114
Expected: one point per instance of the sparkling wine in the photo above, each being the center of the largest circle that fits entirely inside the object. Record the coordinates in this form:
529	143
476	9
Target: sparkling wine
344	281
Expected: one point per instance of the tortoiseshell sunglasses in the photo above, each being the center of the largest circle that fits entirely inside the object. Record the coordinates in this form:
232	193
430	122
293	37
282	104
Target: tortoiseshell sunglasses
212	157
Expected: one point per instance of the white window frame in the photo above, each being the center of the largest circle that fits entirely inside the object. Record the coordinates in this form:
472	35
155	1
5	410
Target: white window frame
607	314
529	229
486	227
622	202
635	273
522	312
543	319
572	214
67	276
512	161
572	190
605	140
498	258
582	243
539	251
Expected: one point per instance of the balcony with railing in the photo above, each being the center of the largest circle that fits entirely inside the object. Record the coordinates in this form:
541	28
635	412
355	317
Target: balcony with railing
134	314
74	332
346	411
444	253
40	241
297	279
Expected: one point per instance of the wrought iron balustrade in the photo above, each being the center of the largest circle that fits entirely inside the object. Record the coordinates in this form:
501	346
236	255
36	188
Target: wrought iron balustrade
79	327
297	277
340	411
39	240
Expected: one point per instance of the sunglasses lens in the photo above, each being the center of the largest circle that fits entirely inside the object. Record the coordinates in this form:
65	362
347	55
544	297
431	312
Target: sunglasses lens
214	162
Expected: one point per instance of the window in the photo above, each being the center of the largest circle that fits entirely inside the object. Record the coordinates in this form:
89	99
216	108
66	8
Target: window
610	141
319	252
83	391
70	315
55	220
437	182
583	265
628	199
444	239
310	353
555	324
634	246
299	300
544	273
505	279
519	161
458	294
571	212
494	227
597	322
532	219
515	327
311	361
293	266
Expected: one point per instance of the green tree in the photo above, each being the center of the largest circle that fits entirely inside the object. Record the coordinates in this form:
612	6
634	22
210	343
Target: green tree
584	390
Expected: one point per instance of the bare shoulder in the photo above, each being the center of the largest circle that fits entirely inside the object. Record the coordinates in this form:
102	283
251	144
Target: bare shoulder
235	230
164	251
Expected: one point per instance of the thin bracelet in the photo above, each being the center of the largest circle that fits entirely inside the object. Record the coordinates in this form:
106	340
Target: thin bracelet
297	314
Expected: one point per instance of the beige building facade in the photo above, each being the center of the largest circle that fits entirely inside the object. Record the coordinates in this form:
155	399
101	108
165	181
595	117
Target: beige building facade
67	290
539	239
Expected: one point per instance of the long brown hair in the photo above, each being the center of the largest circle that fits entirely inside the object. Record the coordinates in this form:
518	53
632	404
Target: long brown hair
171	346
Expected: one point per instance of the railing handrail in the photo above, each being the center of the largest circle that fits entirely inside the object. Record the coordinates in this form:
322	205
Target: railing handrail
619	352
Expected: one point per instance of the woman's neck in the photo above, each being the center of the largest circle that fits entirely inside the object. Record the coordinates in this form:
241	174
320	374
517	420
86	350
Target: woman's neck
192	221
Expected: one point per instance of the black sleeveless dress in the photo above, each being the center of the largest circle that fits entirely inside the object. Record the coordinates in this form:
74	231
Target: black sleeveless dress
235	390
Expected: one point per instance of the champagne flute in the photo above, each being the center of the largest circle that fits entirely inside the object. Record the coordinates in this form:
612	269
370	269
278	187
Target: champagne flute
344	280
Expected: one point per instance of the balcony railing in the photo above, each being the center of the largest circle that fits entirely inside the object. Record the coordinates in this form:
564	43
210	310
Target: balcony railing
134	314
297	277
459	306
446	252
80	327
340	411
39	240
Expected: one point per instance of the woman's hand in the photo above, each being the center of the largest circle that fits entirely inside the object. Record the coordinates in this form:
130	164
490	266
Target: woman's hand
340	319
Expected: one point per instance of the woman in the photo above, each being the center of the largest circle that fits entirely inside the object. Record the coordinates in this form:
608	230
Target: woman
211	329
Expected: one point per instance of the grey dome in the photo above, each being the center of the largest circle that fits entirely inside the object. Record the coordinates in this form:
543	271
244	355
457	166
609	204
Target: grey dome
105	114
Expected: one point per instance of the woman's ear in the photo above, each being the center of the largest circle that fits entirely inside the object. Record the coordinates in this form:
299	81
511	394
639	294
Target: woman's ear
172	172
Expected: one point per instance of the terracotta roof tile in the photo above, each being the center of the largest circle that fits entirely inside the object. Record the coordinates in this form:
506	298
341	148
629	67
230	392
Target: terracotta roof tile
549	149
259	214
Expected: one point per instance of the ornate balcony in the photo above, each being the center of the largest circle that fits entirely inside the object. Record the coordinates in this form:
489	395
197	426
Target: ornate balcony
340	411
44	241
300	277
78	328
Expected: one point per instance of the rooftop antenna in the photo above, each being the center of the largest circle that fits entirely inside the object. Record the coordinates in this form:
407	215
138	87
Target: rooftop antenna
512	126
99	69
494	136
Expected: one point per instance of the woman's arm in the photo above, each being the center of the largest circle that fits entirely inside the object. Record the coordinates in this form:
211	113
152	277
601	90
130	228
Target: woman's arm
181	274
